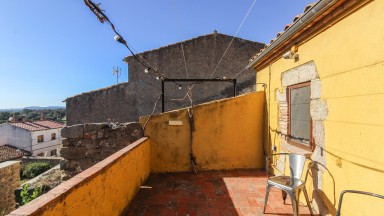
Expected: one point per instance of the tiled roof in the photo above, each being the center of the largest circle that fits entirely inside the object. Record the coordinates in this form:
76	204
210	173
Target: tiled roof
296	18
9	153
38	125
49	124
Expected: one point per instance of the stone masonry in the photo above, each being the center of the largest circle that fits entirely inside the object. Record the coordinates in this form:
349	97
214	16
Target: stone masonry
86	144
9	182
126	102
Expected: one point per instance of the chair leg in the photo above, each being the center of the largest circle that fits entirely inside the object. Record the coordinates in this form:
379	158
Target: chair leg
284	195
307	199
295	201
266	197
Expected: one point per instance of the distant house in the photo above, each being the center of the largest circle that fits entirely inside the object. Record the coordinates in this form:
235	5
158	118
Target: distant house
40	138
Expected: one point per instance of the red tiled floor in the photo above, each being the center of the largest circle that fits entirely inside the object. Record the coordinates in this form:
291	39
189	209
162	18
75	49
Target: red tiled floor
222	193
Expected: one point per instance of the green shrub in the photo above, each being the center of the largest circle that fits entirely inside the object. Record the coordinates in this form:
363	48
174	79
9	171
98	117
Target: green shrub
34	169
26	197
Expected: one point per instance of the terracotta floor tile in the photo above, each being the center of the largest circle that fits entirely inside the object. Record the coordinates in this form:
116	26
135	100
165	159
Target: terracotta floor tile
222	193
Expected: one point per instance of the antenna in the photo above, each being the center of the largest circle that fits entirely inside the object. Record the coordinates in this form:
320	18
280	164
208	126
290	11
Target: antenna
116	72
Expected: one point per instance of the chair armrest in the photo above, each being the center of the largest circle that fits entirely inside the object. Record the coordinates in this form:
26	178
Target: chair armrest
356	192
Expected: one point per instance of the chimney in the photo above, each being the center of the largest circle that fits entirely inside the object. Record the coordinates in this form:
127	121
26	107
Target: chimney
42	117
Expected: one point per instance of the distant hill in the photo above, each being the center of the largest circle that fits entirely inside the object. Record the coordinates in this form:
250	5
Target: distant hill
33	108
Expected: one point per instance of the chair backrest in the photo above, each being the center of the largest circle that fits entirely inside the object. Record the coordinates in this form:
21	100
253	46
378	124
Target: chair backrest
296	165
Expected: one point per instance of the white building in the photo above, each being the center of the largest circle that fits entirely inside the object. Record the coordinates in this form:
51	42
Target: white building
40	138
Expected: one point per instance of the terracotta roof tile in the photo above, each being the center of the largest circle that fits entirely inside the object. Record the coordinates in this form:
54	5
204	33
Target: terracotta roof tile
49	124
287	27
38	125
279	33
8	152
309	6
297	17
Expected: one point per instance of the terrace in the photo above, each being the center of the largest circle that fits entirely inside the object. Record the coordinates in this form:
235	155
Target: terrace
153	176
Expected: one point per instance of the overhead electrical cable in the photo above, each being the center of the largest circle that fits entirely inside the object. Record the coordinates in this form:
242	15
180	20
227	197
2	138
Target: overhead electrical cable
103	18
230	43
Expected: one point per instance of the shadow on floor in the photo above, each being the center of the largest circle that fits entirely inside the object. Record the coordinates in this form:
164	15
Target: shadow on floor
224	193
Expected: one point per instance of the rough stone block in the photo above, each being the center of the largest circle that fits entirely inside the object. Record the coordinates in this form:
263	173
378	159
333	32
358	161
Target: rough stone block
94	127
302	73
318	132
73	153
75	131
107	143
315	89
65	143
281	96
319	110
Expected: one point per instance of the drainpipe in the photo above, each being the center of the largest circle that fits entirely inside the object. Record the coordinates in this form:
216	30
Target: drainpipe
310	15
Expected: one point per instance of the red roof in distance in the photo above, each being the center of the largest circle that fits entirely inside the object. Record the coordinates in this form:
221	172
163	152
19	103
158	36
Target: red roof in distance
38	125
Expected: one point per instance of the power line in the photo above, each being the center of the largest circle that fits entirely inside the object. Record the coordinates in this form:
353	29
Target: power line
103	18
239	72
238	29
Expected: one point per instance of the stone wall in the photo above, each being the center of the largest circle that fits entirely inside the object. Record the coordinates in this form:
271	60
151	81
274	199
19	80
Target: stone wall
86	144
53	161
9	181
126	102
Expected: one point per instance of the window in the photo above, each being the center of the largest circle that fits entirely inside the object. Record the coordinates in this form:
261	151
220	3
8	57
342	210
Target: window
41	154
40	138
54	152
53	136
300	122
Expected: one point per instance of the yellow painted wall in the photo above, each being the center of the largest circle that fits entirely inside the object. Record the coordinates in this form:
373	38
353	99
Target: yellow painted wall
109	191
228	134
349	58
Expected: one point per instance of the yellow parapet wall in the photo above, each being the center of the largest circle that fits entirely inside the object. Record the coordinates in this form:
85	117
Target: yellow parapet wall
104	189
228	135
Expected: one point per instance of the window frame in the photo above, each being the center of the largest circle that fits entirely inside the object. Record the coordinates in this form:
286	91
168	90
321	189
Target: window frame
55	151
53	136
311	139
40	140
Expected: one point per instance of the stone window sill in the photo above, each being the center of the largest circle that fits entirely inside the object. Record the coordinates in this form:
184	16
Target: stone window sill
294	149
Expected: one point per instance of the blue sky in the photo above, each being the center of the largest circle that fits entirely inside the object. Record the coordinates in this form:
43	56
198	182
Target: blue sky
51	50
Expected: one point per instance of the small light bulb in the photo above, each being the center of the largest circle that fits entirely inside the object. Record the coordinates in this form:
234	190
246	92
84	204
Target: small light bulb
158	78
224	78
118	39
179	87
147	69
